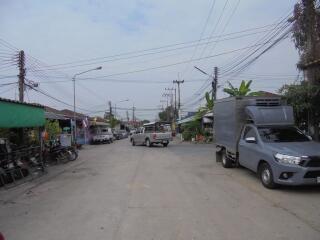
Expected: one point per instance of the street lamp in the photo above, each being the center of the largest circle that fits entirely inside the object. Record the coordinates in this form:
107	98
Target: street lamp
115	105
214	80
74	100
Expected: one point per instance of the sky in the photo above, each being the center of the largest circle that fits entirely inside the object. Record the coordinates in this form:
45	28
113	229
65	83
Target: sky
53	33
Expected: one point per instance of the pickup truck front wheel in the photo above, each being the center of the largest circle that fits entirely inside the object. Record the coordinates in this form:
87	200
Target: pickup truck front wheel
266	176
165	144
133	142
148	143
226	162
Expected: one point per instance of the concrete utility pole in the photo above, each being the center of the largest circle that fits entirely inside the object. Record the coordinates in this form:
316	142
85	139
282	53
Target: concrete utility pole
127	116
173	109
215	83
110	110
167	95
133	116
22	74
179	102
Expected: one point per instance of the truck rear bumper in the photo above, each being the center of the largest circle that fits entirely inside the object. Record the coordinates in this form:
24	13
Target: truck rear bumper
296	175
160	141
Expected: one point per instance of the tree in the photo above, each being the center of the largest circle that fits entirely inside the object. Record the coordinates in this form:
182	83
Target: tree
243	90
306	36
145	121
304	99
208	107
306	30
167	114
113	122
53	128
191	129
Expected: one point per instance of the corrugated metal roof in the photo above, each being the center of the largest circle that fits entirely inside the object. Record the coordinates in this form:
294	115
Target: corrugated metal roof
22	103
54	116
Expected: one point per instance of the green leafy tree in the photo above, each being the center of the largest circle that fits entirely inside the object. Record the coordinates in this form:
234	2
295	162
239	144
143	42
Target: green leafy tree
207	108
243	90
53	128
167	114
113	122
304	98
191	129
145	121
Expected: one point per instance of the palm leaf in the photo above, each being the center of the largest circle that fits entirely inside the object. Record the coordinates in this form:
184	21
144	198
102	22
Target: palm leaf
229	91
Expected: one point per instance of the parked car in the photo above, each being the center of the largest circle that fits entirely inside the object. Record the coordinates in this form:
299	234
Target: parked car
153	133
120	134
102	135
132	131
124	133
259	133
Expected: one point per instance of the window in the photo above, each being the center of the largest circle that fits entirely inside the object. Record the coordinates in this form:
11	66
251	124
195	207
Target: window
282	134
249	132
161	127
148	128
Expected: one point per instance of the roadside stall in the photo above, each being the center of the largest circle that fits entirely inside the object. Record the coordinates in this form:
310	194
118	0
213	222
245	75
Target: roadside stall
21	145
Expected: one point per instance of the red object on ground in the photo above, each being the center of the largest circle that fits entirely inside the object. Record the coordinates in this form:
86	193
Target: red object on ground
1	236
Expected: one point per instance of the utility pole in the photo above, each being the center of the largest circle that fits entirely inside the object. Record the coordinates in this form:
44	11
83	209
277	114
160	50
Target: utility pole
167	95
133	116
173	109
22	74
127	116
215	84
179	102
110	111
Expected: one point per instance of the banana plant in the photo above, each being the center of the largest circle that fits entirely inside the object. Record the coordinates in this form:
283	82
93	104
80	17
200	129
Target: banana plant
243	90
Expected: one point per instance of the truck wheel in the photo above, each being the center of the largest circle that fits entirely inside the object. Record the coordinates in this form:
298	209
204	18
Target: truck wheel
148	143
266	176
133	142
226	162
165	144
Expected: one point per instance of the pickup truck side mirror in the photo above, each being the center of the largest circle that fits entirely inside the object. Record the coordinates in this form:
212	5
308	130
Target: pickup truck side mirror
310	138
251	140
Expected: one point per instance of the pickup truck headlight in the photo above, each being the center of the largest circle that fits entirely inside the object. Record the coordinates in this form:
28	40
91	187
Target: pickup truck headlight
287	159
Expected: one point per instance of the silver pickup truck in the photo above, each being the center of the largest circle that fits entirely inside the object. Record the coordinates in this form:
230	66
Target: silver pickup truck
152	133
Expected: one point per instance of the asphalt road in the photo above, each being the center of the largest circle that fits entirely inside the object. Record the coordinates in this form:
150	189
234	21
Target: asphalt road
118	191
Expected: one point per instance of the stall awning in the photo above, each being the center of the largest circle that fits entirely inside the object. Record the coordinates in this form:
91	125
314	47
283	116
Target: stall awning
188	119
14	114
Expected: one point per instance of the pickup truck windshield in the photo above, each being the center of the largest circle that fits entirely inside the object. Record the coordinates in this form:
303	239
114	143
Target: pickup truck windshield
278	134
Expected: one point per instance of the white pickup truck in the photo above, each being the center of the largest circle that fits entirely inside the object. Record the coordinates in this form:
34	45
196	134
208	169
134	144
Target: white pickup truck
153	133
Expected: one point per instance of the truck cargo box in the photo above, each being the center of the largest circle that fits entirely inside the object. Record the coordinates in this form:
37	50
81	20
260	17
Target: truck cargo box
230	115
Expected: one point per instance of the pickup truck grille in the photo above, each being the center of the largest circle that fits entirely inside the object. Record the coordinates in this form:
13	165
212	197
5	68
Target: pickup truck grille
314	161
268	102
312	174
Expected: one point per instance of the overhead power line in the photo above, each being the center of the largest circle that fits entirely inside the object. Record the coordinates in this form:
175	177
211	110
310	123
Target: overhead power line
202	32
148	53
101	78
53	66
52	97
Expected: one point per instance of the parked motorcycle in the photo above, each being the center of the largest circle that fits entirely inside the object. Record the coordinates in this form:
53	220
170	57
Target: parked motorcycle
56	153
